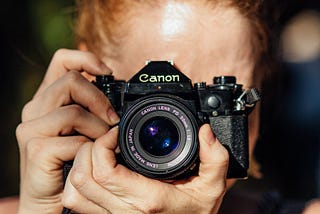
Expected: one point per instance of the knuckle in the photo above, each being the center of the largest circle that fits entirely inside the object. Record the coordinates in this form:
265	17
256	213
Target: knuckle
102	177
78	178
71	114
100	98
74	111
23	134
20	132
81	139
72	77
27	111
69	201
34	148
59	54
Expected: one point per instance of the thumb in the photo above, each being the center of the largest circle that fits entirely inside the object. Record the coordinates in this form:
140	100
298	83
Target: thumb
214	157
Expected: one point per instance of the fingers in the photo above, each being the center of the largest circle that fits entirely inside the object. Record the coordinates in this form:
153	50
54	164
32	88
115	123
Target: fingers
65	104
214	158
103	152
123	183
42	158
63	84
58	149
63	121
210	186
149	195
77	203
81	179
71	88
105	164
65	60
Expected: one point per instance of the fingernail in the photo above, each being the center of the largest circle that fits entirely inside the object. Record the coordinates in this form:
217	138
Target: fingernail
113	116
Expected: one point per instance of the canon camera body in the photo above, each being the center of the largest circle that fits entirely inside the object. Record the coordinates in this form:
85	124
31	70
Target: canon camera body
161	113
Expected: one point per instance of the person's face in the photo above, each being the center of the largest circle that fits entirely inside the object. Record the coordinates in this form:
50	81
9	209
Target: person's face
202	40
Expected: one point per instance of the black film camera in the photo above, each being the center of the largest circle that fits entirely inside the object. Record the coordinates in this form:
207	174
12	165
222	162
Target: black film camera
160	117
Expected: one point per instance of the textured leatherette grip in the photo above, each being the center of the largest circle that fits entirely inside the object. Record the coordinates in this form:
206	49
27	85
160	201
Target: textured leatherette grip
232	132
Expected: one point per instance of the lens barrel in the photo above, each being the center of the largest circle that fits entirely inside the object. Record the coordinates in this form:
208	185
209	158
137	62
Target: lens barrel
158	137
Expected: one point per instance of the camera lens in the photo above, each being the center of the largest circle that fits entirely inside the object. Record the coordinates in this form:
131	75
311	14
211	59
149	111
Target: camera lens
159	136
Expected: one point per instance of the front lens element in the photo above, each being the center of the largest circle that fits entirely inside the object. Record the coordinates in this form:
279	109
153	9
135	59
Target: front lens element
159	136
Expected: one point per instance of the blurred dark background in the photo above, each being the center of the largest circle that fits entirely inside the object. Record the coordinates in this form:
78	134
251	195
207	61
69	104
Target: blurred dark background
32	30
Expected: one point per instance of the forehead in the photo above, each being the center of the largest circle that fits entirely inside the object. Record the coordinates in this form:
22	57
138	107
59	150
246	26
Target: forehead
203	40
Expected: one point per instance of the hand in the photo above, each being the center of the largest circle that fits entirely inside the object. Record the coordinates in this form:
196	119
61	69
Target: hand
97	184
66	112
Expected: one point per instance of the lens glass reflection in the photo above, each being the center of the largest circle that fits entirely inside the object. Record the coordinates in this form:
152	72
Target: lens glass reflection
159	136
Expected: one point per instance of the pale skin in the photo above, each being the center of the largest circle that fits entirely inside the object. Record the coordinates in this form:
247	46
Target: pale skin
203	42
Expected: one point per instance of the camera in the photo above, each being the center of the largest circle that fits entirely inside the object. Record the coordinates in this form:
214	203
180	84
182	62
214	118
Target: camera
161	112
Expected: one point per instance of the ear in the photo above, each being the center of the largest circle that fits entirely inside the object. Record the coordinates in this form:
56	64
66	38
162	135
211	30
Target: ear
83	47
